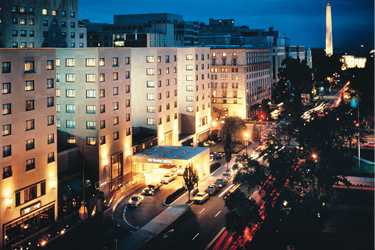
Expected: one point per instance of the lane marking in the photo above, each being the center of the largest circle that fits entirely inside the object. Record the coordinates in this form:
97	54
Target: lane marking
226	190
123	215
195	236
201	210
214	239
218	213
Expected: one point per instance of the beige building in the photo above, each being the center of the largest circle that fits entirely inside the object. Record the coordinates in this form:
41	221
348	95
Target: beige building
240	78
94	110
28	185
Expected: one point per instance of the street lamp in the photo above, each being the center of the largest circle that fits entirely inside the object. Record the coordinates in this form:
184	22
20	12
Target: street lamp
246	134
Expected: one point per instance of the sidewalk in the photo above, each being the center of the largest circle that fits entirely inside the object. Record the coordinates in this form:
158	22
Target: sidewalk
175	210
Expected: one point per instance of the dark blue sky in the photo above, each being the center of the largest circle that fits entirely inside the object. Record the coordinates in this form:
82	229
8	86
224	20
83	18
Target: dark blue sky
303	21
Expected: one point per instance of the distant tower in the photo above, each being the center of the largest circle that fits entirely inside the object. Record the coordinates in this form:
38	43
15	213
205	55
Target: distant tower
329	47
309	58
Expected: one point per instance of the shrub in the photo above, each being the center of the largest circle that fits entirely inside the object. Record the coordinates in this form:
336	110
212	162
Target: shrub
172	197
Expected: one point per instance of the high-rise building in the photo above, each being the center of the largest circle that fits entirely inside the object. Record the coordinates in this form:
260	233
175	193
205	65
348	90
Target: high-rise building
34	24
329	45
28	184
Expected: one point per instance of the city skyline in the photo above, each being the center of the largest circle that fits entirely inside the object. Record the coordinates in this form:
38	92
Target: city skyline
304	24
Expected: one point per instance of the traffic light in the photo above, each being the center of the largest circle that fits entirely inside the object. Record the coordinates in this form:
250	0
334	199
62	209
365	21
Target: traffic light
356	123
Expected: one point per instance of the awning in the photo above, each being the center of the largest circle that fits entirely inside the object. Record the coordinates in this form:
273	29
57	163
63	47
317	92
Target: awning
70	187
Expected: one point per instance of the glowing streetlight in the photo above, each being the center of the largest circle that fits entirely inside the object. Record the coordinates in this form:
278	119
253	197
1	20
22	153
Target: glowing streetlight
246	134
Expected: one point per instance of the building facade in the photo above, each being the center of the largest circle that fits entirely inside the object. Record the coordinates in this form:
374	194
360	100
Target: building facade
28	185
240	79
50	23
94	110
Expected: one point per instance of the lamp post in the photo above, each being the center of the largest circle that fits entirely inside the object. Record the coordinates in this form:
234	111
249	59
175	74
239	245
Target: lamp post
246	141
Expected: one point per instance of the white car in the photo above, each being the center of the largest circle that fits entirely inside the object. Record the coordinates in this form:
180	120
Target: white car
135	200
167	178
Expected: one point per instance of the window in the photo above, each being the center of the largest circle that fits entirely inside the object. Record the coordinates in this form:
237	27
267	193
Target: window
116	135
44	12
189	109
168	118
167	94
150	96
7	172
51	157
150	59
90	125
115	90
23	21
90	77
57	92
116	120
7	109
7	150
14	32
175	116
90	62
70	139
30	144
29	125
72	35
31	23
159	71
160	121
31	44
102	108
175	104
115	76
127	74
159	108
70	93
50	83
23	33
15	20
150	84
50	102
190	99
58	109
50	138
63	13
81	35
167	70
102	140
167	58
29	85
189	78
150	121
72	14
30	164
70	124
63	24
45	34
101	62
102	93
115	61
70	77
50	120
29	66
45	22
102	77
29	105
128	132
90	93
150	109
127	60
7	129
70	62
90	109
127	117
6	88
159	96
70	108
102	124
6	67
54	12
150	71
72	25
167	82
159	84
43	188
58	123
189	67
115	106
189	57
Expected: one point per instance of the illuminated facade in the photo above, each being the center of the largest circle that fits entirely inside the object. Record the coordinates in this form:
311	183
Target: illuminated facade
240	77
50	23
329	43
94	109
350	61
28	185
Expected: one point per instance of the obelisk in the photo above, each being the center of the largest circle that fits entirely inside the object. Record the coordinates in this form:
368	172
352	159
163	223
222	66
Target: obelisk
329	47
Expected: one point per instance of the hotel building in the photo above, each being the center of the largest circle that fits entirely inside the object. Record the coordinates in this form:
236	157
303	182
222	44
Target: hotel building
28	185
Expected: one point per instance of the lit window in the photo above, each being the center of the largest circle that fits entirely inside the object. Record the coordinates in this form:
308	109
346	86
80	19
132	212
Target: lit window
50	120
102	77
30	144
70	93
49	64
189	57
70	108
29	66
70	124
90	109
116	120
54	12
150	71
150	84
51	157
90	62
6	109
6	88
101	62
116	135
7	129
150	121
90	77
70	62
44	12
50	83
70	77
115	75
90	125
7	150
50	101
115	61
70	139
50	138
30	164
150	59
29	105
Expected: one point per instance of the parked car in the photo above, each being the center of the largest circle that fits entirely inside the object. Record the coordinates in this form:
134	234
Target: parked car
212	189
201	197
227	174
135	200
148	191
235	168
369	144
155	185
180	172
221	182
167	178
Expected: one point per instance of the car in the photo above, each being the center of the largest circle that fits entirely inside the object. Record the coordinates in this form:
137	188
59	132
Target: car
155	185
135	200
212	189
235	168
369	144
180	172
201	197
227	174
221	182
148	191
167	178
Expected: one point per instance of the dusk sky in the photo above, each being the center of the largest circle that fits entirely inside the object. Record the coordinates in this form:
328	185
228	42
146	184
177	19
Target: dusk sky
303	21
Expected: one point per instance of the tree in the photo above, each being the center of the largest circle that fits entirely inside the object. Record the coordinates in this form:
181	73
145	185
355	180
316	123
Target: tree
191	178
232	126
255	133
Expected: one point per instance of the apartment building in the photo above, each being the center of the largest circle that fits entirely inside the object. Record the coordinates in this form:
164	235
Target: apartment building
49	23
94	110
240	79
28	185
194	98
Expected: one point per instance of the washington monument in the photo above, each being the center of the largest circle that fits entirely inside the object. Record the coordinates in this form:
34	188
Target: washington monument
329	47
